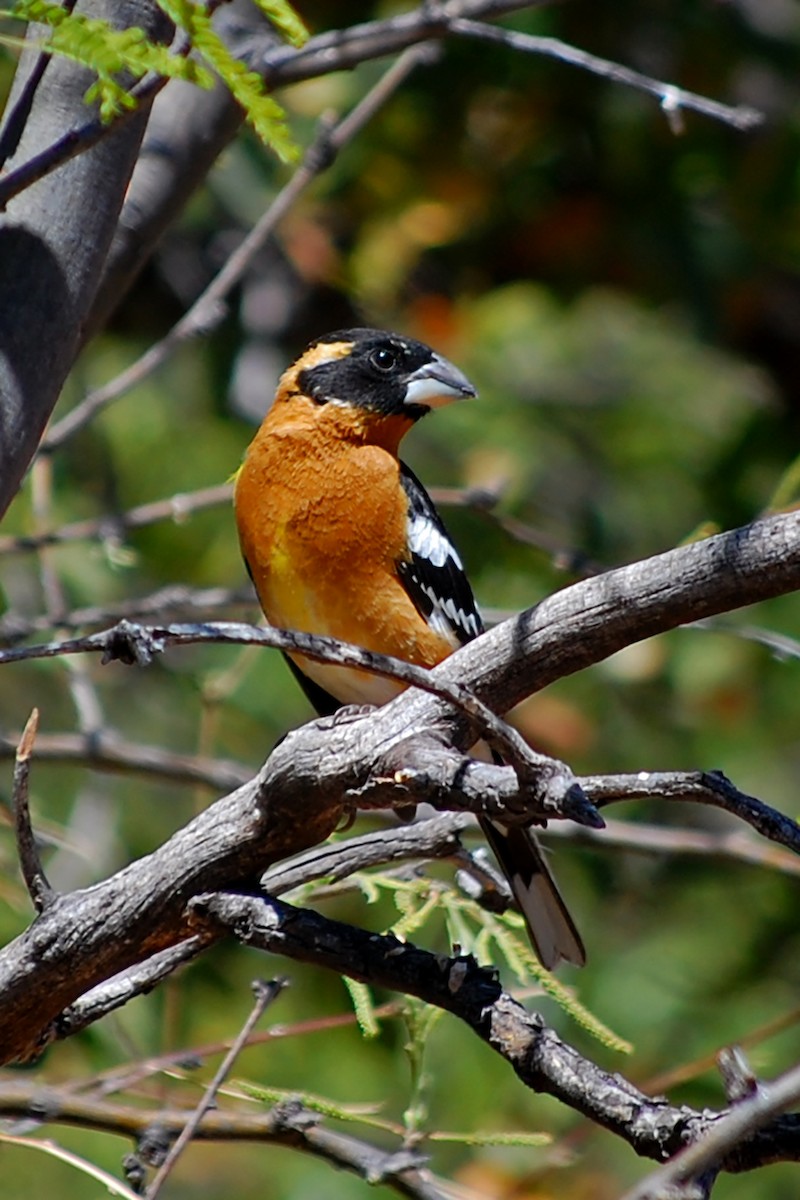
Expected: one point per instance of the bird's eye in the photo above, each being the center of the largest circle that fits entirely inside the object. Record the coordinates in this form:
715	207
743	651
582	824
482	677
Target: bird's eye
383	359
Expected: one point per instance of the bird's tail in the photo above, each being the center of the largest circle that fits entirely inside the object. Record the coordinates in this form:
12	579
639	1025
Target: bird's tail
550	925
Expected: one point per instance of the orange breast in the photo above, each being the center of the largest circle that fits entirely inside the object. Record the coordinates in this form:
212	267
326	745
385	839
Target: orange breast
322	523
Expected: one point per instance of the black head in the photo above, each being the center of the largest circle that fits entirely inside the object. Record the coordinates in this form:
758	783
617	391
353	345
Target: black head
381	372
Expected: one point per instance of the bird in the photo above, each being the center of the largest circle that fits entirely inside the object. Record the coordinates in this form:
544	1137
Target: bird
340	538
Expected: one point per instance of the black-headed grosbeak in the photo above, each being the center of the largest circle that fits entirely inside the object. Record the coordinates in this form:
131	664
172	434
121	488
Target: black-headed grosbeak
341	538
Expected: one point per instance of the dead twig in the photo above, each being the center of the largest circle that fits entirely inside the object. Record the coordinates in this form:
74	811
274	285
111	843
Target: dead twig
672	99
39	889
265	994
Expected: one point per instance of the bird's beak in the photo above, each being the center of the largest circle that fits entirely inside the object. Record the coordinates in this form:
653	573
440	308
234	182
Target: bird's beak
437	383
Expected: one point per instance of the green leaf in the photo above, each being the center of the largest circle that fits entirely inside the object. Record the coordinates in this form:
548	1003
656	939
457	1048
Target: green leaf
285	19
110	53
321	1104
478	1138
488	937
363	1006
263	114
420	1019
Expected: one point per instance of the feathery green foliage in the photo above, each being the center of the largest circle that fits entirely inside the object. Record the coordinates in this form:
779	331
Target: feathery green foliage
263	113
107	51
363	1006
363	1113
420	1020
285	19
114	53
490	938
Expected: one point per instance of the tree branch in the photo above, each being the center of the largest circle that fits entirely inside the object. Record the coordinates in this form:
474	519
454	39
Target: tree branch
551	782
698	787
54	241
175	508
568	631
209	309
75	142
672	98
175	601
106	751
265	994
726	1141
653	1127
39	889
289	1124
311	779
436	838
190	131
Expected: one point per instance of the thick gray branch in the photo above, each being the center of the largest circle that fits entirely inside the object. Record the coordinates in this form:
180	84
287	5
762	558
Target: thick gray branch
297	800
588	621
53	243
311	778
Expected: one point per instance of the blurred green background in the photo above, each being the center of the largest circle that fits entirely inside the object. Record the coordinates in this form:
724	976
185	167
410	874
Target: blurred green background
627	302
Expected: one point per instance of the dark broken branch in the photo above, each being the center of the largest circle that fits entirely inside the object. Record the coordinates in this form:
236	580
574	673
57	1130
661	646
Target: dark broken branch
654	1128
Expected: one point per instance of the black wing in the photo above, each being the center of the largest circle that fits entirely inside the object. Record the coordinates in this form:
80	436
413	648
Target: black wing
432	574
434	578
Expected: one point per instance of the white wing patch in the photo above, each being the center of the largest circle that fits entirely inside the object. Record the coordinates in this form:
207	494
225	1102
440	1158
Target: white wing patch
426	540
433	572
445	614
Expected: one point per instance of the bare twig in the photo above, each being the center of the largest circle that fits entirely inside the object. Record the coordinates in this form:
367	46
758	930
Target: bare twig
345	48
174	601
44	1146
651	1125
120	989
39	889
105	751
738	1076
435	838
677	1076
265	994
342	49
402	1169
113	525
570	559
88	708
77	141
722	1138
551	780
782	646
208	310
15	119
671	98
660	840
289	1124
121	1077
699	787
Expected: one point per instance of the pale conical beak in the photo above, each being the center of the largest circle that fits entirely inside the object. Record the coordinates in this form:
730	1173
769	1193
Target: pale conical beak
437	383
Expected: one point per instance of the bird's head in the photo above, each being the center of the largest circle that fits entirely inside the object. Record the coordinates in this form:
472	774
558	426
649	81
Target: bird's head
381	373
